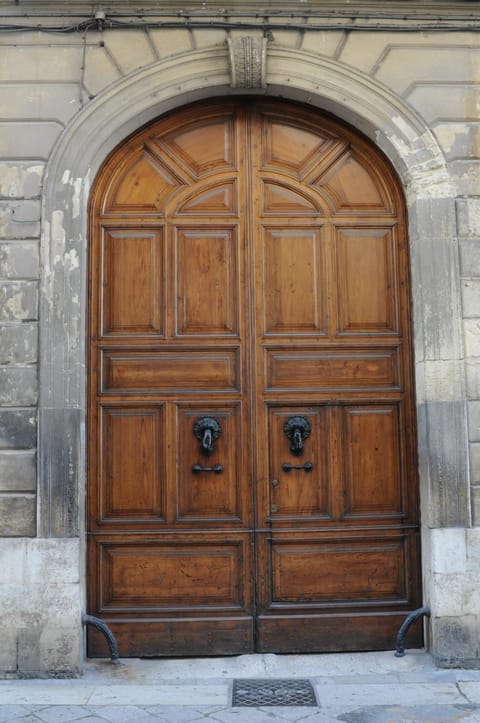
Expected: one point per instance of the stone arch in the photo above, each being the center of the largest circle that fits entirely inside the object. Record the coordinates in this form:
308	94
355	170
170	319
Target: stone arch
298	75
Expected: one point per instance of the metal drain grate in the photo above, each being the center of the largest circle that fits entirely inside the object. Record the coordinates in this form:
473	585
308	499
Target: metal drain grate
273	692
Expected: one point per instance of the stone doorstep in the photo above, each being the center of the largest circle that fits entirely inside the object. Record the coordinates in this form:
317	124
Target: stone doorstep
341	681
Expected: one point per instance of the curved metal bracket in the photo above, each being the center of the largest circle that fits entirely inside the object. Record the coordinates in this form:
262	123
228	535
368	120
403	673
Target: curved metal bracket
409	620
109	636
207	430
297	430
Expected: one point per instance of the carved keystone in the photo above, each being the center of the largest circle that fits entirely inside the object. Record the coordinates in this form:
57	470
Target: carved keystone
248	62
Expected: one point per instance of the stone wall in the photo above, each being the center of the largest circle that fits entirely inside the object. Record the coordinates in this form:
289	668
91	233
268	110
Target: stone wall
48	83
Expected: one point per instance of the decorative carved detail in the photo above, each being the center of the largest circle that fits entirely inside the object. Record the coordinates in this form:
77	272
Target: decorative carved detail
207	430
297	430
248	62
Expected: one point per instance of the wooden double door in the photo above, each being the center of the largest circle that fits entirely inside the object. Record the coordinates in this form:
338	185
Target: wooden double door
252	473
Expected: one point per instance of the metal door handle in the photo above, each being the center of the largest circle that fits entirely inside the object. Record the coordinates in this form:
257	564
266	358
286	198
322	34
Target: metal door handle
198	468
308	466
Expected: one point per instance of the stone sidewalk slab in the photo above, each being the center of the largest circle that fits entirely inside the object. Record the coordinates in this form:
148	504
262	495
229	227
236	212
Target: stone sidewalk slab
350	688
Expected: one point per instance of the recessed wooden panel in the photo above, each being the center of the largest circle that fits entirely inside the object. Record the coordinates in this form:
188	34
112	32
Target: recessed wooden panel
333	368
170	637
283	200
209	494
140	186
366	280
288	146
207	283
373	472
338	571
133	293
353	185
219	199
203	147
175	575
298	493
294	296
132	469
169	371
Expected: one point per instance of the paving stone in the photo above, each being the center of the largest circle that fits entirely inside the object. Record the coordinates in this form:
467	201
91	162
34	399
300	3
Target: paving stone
12	712
417	714
183	714
401	694
61	713
161	694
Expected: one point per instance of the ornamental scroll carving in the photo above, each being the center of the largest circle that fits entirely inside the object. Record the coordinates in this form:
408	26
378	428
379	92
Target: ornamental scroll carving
248	62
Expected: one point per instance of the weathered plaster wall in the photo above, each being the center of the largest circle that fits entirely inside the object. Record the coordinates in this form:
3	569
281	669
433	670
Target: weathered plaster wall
47	83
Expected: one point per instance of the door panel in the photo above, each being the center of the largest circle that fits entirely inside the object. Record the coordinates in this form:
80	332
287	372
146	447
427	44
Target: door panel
132	483
209	494
252	479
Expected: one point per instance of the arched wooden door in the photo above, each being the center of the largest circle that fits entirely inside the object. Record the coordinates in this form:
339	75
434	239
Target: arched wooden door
252	472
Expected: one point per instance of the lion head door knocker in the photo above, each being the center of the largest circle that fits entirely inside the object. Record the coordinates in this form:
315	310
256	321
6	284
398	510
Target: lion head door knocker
207	430
297	430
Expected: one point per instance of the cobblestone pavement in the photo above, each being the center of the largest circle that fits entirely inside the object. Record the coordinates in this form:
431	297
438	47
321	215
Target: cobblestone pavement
353	688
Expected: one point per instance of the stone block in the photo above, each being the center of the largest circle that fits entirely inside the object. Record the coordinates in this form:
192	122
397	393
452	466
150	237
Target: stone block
51	651
18	343
474	449
18	386
100	70
61	472
473	549
18	471
18	428
471	329
42	101
322	42
19	260
447	471
435	217
474	421
8	651
443	101
476	505
448	550
19	219
44	63
41	562
459	140
455	641
173	41
207	38
472	377
468	216
59	557
130	48
466	174
17	515
18	301
286	38
21	179
29	139
471	298
402	67
436	296
470	257
455	594
362	51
